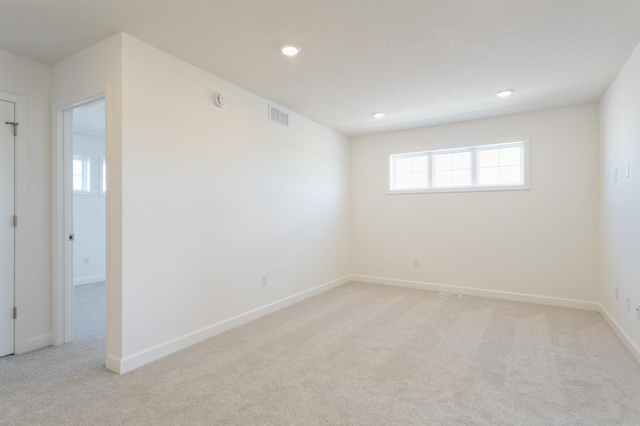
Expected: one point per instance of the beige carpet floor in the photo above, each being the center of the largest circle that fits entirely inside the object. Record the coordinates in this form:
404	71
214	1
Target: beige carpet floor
359	354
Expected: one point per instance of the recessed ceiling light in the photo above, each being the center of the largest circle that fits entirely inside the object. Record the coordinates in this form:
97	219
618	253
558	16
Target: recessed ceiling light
290	50
378	115
505	93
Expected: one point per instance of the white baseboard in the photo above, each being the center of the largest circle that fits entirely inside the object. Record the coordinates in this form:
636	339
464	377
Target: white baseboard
138	359
89	280
113	364
33	344
493	294
624	337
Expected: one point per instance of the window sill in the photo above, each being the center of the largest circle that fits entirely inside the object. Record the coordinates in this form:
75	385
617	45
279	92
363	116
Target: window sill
460	189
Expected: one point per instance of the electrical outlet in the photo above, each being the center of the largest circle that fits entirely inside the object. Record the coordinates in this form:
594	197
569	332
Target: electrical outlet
617	293
416	263
638	311
85	260
628	304
264	280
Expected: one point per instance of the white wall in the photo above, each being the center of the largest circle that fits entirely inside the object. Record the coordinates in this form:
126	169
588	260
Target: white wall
31	79
215	197
540	242
620	202
203	200
89	219
96	70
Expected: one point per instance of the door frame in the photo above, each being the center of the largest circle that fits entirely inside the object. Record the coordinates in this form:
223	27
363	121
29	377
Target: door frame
20	344
62	213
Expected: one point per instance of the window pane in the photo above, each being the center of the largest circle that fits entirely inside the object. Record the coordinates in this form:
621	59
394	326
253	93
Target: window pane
510	156
77	183
461	177
419	180
510	175
489	158
81	167
77	167
442	178
403	180
411	171
403	165
489	176
442	161
461	160
419	164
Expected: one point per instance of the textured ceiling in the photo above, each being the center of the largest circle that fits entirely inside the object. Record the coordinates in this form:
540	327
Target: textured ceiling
422	61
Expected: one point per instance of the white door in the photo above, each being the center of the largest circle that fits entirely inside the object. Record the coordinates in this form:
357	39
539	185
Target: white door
7	230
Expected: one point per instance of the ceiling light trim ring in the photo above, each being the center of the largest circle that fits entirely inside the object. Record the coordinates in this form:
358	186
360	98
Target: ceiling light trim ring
290	50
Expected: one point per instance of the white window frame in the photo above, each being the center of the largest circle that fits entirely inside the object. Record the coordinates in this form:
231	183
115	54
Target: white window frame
86	160
102	176
524	142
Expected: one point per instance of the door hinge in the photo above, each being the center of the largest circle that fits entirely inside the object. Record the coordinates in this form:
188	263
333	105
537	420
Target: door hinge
15	312
15	221
15	127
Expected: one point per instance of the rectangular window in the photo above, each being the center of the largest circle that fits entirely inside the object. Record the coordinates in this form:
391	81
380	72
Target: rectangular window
451	169
81	174
475	168
103	176
500	166
412	171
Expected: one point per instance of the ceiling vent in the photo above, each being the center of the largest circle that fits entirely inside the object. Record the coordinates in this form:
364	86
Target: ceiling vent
278	116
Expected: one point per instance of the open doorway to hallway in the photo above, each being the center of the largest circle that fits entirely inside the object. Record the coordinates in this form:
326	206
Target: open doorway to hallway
89	225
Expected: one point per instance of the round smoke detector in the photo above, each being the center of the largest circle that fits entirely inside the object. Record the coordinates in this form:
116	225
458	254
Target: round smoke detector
219	100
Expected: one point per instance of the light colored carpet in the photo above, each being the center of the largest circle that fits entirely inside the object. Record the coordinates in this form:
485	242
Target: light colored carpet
359	354
89	316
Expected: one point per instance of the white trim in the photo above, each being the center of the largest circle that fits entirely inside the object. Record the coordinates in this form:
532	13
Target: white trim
57	228
102	174
20	343
138	359
494	294
62	219
622	335
36	343
89	280
459	189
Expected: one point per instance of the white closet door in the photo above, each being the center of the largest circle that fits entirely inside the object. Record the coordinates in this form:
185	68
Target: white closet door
7	230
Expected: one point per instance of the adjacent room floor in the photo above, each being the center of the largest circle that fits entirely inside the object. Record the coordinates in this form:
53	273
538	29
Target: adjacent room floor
89	316
359	354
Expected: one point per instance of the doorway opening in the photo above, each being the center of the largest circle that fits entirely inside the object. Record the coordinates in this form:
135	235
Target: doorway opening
88	224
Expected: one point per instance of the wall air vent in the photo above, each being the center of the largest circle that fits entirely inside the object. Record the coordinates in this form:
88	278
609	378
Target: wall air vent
278	116
446	294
